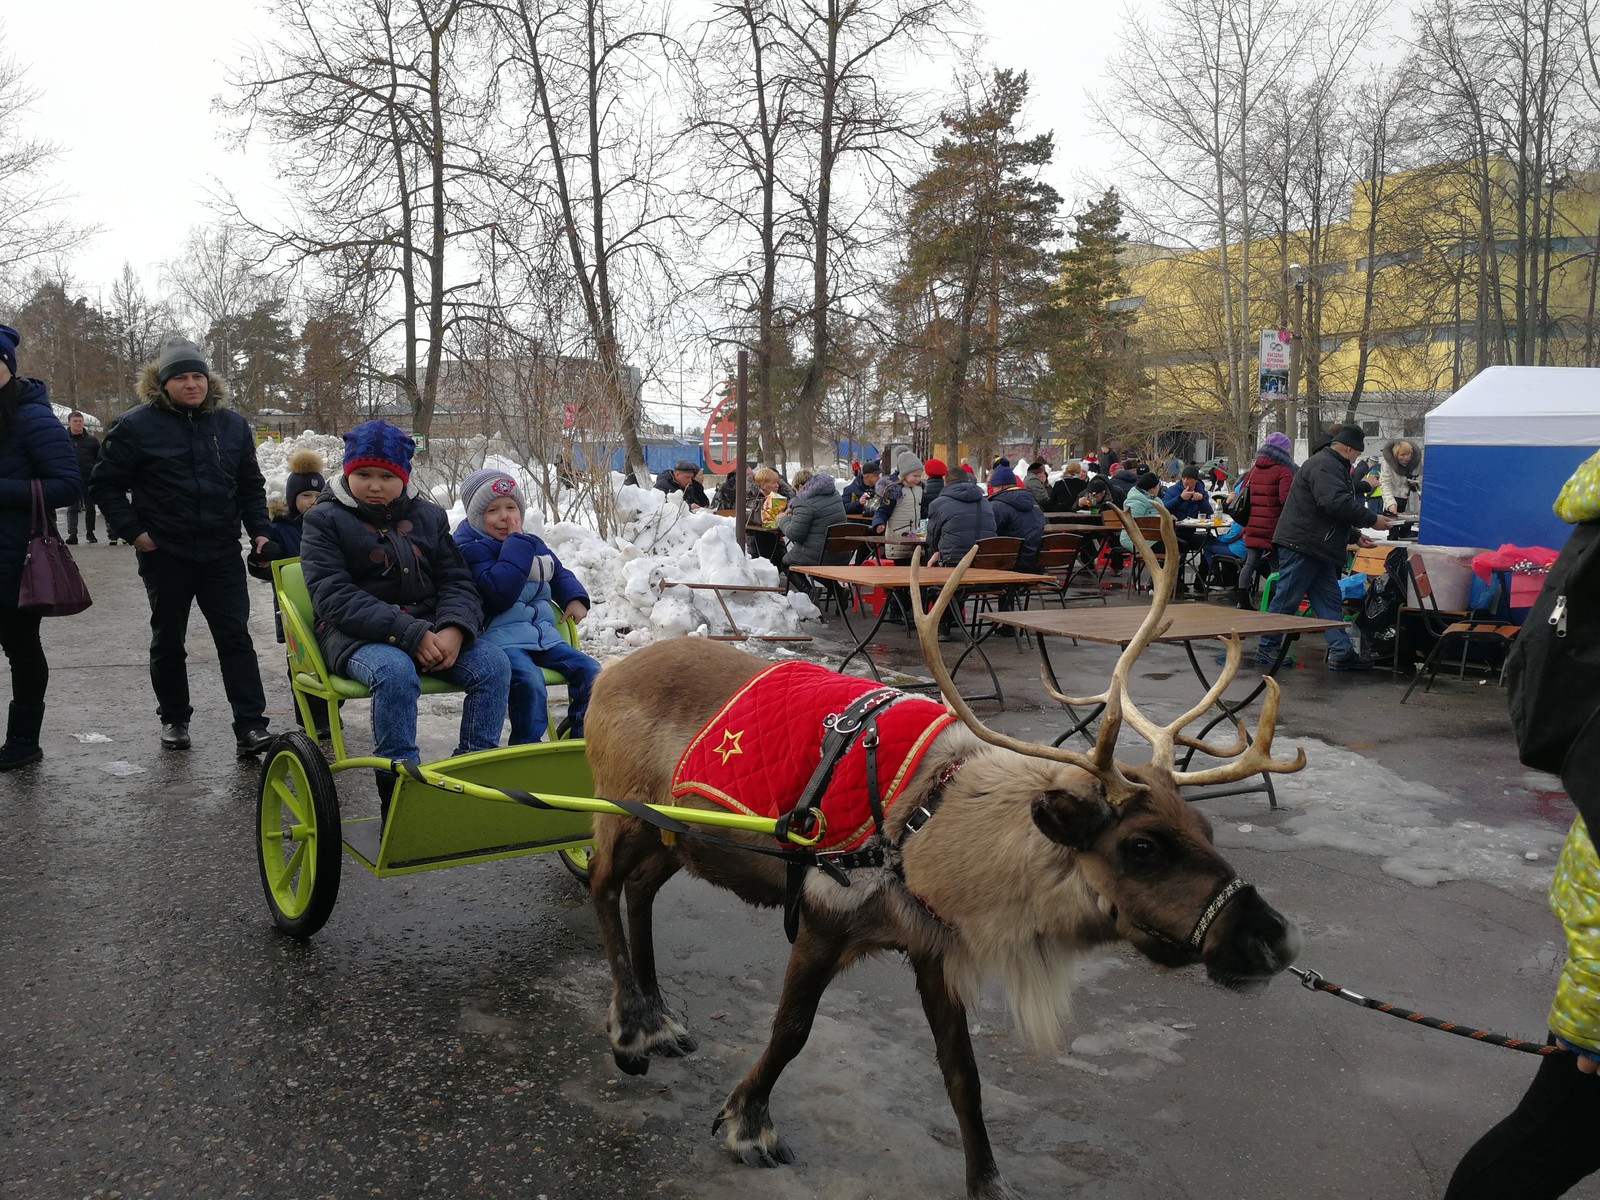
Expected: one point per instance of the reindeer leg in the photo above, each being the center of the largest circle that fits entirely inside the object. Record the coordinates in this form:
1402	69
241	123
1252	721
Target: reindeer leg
817	956
952	1043
671	1038
622	849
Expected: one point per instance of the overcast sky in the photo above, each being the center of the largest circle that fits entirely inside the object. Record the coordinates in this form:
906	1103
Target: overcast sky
127	91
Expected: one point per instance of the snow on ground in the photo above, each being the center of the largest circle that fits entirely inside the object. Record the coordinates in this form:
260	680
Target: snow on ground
659	541
1343	800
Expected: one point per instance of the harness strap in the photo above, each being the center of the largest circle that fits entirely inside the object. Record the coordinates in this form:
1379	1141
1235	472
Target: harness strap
923	813
1220	899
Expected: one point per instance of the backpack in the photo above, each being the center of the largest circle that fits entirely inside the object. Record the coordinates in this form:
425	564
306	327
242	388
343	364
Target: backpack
1237	505
1553	669
1382	598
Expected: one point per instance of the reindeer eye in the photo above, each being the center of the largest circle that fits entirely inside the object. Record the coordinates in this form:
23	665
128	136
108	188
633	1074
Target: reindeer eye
1141	853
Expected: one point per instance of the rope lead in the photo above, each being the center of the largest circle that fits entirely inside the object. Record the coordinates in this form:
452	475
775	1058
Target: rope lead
1314	982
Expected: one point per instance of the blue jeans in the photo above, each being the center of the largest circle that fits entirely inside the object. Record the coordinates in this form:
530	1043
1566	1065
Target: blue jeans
529	716
390	674
1302	575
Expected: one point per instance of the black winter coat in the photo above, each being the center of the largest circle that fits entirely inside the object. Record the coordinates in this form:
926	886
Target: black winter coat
1017	514
960	518
192	475
1321	508
386	576
693	494
36	446
87	447
931	487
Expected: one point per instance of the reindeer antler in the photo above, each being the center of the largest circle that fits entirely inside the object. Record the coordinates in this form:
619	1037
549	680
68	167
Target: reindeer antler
1251	756
1100	762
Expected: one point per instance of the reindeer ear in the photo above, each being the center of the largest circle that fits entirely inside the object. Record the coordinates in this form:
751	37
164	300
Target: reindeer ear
1071	820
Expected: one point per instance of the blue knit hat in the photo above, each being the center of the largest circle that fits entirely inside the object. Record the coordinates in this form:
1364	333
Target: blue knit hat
379	444
10	339
1002	477
482	488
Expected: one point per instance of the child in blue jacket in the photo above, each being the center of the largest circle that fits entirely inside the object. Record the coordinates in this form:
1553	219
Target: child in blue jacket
518	576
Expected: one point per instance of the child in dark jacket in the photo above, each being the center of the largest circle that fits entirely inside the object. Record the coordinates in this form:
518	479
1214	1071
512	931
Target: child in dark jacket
518	577
300	492
393	598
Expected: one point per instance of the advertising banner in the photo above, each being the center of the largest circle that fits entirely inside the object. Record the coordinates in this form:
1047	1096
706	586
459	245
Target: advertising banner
1274	379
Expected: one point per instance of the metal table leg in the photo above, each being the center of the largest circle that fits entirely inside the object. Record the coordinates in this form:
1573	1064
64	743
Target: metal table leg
1081	724
863	642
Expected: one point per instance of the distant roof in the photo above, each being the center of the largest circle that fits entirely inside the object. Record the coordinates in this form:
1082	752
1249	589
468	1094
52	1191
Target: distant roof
1521	406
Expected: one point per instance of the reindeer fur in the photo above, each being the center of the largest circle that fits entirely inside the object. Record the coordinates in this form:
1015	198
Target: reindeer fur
1024	864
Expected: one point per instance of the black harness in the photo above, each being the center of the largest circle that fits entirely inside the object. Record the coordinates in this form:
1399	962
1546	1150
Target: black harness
1220	899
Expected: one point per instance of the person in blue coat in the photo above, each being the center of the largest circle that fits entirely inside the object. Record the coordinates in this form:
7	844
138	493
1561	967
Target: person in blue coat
1017	514
34	447
518	576
961	517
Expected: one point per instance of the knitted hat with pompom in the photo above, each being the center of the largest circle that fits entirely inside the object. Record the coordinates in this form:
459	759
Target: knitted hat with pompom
305	475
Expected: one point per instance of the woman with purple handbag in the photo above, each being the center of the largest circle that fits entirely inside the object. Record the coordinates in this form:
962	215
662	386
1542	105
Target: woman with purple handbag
36	458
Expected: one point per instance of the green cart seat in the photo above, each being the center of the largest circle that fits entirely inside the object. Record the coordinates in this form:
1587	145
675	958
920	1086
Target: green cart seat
309	672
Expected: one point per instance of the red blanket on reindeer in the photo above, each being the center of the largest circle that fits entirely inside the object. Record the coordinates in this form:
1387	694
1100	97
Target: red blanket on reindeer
756	754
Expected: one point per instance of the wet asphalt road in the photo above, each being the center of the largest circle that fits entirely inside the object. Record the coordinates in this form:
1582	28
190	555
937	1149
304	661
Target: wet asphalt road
443	1035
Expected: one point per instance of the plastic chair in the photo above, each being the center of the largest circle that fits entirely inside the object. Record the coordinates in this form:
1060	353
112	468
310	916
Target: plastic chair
309	674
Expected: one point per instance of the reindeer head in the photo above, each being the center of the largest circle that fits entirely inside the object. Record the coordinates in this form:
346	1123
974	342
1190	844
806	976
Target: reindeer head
1123	830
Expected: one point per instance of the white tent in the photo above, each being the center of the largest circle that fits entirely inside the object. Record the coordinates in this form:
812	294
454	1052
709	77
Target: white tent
1496	453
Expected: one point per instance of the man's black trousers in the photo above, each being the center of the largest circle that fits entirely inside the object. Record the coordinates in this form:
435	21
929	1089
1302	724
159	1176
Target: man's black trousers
220	587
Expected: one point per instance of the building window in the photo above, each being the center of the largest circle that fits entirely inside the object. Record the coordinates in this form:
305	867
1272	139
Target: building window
1125	304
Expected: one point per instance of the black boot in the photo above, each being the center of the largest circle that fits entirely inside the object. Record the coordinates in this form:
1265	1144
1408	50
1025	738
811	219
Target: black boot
22	736
385	781
1241	597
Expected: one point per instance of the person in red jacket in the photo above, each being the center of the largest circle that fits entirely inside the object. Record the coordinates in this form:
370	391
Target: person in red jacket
1268	479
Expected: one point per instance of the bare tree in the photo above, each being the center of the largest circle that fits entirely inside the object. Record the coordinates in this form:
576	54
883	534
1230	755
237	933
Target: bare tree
137	324
33	226
377	109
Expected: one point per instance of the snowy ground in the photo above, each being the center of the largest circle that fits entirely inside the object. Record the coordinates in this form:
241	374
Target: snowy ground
660	542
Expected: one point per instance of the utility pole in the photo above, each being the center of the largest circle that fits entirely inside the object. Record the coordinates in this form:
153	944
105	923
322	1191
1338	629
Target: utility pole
741	441
1297	276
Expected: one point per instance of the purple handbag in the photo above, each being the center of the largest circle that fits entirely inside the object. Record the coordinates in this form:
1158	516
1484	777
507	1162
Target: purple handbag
51	585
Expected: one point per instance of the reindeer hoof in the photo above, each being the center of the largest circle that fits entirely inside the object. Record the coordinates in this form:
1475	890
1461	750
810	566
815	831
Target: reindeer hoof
674	1047
631	1064
752	1139
778	1155
994	1188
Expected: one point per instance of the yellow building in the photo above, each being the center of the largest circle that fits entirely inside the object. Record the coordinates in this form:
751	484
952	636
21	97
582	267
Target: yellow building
1427	278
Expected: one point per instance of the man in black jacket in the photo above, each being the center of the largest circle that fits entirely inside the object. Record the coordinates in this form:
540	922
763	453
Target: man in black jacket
87	448
1318	515
176	477
685	478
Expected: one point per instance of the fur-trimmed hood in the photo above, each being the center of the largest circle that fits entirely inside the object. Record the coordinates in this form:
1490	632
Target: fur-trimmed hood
1414	467
1267	455
150	391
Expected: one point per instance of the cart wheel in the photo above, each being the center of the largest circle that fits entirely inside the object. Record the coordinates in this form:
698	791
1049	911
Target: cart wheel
576	861
298	842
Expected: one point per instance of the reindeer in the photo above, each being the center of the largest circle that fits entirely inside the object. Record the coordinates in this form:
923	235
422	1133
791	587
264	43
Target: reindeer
1032	855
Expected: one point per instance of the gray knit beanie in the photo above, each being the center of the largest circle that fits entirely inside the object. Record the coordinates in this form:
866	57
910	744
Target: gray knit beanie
482	488
906	462
178	356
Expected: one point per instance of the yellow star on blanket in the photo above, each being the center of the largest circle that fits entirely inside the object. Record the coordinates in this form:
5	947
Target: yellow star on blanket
730	745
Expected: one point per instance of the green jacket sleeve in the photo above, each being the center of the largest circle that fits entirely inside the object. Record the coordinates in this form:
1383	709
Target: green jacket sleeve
1575	898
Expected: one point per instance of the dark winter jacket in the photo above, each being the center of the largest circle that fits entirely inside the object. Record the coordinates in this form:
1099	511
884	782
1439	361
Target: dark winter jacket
517	578
1269	481
859	499
283	541
87	447
1321	509
1186	510
1017	514
33	445
815	507
1064	495
959	519
385	575
692	495
192	474
1122	482
1041	491
931	487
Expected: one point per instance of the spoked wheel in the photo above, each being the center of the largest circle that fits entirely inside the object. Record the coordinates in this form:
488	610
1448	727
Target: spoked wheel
298	839
576	861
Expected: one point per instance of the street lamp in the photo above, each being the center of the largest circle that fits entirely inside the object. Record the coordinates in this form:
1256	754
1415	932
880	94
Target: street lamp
1297	277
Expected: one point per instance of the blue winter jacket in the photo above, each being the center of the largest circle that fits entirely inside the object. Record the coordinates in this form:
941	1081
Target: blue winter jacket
1186	510
386	575
517	579
961	517
35	447
1017	514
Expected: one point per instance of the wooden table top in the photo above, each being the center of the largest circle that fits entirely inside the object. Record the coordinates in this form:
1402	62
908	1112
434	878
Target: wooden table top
898	576
1190	622
1078	527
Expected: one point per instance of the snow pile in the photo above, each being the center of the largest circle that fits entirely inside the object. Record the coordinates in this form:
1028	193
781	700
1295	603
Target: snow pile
273	455
659	541
1345	801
